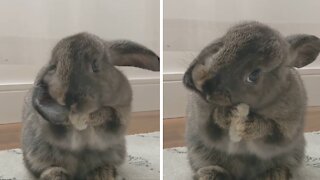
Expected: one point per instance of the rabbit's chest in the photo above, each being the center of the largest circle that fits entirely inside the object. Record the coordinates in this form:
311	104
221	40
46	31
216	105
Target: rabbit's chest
89	138
231	147
225	144
235	147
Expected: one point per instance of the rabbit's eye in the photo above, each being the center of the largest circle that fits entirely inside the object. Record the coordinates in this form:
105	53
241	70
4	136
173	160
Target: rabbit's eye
253	76
94	66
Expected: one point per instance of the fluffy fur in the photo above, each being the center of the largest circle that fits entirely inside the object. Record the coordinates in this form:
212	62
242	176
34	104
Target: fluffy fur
75	116
239	130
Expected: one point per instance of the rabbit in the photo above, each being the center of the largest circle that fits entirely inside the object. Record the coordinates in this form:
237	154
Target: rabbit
76	114
246	104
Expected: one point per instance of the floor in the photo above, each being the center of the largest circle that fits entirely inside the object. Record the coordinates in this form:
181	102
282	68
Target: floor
174	129
141	122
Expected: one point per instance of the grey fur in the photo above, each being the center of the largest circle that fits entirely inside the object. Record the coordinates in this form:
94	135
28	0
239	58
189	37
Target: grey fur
268	116
80	80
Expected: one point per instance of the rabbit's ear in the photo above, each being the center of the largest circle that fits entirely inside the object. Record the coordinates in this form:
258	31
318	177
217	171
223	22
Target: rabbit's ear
304	49
128	53
196	73
48	108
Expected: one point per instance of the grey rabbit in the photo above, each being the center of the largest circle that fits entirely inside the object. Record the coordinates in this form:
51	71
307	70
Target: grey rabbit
75	117
245	113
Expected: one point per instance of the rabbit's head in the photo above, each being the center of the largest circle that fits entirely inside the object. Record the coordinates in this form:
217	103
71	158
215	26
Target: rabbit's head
81	75
250	64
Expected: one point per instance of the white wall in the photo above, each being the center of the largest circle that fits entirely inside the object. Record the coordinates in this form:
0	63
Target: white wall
29	30
190	25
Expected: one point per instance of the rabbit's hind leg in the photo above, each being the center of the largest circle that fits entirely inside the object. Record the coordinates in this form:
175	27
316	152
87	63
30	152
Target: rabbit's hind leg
212	173
54	173
276	174
106	172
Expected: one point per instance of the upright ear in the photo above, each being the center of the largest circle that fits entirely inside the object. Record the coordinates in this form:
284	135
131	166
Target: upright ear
128	53
304	49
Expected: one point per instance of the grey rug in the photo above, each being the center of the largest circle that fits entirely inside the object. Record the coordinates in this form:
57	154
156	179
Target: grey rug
143	161
176	164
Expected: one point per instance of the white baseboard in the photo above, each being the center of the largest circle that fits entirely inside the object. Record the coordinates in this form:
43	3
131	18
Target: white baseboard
175	94
145	98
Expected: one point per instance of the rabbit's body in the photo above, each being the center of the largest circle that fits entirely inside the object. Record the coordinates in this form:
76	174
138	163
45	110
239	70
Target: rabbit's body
239	129
211	145
75	117
78	152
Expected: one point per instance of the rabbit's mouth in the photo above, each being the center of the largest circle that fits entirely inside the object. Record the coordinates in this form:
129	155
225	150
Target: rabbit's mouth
219	98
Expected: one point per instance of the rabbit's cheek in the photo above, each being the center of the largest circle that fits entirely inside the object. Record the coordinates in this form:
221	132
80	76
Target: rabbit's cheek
57	95
57	91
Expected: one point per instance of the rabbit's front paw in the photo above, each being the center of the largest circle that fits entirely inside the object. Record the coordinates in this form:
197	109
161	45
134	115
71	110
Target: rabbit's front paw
54	173
212	173
103	173
243	129
78	121
276	174
241	111
239	124
221	116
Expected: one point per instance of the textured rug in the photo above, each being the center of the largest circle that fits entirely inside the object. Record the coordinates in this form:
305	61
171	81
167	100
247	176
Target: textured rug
176	164
143	161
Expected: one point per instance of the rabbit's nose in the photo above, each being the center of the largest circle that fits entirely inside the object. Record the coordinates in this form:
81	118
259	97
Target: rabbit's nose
70	99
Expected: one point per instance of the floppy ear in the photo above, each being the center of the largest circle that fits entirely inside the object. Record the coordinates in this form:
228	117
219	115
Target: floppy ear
198	66
44	104
304	49
47	107
128	53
